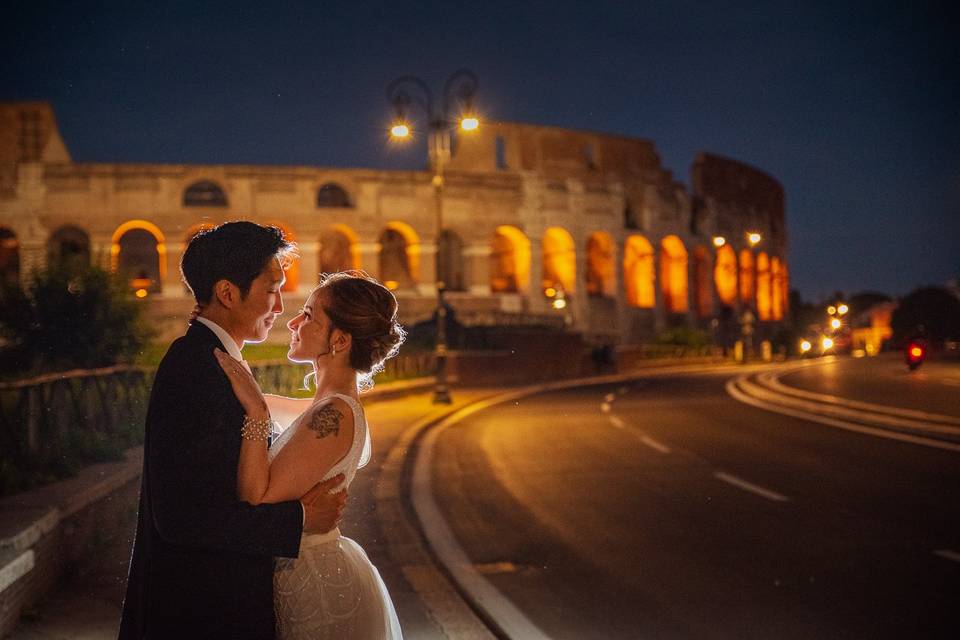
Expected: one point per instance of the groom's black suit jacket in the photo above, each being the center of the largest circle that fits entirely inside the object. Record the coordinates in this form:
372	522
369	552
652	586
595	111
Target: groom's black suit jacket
202	564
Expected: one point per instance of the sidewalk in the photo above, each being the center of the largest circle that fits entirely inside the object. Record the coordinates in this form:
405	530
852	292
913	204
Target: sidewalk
87	604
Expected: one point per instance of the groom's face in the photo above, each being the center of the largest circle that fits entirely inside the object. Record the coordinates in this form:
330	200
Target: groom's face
257	313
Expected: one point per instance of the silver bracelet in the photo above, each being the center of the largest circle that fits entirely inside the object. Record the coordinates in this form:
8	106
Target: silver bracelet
256	429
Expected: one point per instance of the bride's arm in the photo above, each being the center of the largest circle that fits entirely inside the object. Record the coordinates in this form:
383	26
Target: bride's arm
324	437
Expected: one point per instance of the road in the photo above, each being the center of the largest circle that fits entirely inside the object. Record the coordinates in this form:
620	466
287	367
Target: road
677	512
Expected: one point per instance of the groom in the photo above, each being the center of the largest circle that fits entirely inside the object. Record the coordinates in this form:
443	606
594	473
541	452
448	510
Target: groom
202	564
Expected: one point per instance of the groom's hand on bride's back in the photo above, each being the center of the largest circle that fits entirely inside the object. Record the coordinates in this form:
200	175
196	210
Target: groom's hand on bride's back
322	510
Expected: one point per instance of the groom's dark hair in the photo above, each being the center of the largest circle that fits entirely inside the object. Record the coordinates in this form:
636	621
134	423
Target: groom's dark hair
234	251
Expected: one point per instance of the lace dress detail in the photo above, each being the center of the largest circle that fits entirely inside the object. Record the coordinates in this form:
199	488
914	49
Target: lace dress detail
332	590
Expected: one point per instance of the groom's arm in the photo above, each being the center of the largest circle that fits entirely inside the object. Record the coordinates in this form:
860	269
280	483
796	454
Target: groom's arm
192	472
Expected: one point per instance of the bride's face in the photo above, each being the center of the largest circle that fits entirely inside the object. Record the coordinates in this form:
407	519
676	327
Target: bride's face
310	332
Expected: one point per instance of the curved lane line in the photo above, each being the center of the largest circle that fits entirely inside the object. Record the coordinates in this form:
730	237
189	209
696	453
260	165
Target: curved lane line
749	486
739	395
771	380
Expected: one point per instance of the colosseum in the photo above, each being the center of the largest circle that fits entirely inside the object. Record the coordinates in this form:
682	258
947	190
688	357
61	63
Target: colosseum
540	224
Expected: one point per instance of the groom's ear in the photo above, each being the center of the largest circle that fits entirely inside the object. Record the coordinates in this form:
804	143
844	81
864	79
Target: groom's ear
226	293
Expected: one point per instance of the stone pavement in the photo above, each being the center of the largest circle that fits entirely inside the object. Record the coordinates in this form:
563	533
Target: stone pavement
87	604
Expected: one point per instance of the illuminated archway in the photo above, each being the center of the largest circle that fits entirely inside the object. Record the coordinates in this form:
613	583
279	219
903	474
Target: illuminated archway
9	256
673	274
601	277
725	275
509	261
338	249
703	298
776	289
450	261
763	286
785	287
559	260
139	251
399	256
638	272
291	268
746	277
69	246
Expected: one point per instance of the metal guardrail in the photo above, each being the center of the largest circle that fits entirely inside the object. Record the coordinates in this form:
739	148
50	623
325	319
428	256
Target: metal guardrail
52	424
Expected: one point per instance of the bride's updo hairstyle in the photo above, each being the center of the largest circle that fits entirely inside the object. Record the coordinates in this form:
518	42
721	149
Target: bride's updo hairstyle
359	305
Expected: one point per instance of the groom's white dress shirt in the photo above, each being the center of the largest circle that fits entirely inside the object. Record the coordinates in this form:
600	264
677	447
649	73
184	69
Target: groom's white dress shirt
231	346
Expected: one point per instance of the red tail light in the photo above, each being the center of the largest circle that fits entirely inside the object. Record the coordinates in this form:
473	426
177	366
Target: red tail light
915	351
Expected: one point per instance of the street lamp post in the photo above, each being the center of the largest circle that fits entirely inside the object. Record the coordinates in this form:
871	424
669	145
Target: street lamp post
402	93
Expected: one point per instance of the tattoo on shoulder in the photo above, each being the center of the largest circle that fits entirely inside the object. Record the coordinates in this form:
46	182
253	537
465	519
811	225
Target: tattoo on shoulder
326	421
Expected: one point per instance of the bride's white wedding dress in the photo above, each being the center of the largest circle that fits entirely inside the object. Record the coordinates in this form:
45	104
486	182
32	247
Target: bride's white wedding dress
332	590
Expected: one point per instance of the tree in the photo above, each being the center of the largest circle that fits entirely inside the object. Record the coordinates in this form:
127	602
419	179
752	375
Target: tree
67	317
934	311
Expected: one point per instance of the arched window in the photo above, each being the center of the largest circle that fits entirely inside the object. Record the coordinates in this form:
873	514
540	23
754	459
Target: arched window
451	261
776	290
9	256
703	298
338	250
673	274
509	261
204	193
399	256
725	275
138	254
638	272
601	278
559	260
69	247
747	279
333	195
763	286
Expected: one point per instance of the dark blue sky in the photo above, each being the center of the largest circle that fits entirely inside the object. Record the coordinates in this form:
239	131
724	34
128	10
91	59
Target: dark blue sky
852	106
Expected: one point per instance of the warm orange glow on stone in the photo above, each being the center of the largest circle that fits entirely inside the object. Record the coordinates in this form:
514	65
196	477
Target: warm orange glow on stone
702	296
776	293
673	274
763	286
638	272
509	261
559	260
747	279
601	277
725	275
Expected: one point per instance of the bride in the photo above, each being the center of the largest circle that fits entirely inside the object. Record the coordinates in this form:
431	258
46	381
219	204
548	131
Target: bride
347	328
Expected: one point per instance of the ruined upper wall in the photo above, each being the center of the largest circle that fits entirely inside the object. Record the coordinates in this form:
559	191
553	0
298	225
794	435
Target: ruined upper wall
554	152
28	133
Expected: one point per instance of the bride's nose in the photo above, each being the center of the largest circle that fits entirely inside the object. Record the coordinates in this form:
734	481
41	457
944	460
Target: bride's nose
292	325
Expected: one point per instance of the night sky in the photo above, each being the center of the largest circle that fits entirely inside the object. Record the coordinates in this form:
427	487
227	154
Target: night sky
853	107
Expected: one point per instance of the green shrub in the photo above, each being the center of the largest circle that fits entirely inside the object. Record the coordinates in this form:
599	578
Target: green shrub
685	337
66	318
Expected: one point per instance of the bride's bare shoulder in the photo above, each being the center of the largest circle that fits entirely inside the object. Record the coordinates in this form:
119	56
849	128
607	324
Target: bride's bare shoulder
329	417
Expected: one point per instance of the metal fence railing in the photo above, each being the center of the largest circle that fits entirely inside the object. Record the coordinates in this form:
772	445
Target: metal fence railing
282	377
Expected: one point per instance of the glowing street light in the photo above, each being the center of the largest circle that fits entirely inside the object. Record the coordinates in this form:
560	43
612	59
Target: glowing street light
805	346
826	343
842	309
719	241
754	238
835	323
458	91
831	310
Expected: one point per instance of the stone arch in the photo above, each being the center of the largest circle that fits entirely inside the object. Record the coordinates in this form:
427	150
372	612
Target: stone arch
338	249
747	277
138	251
332	194
399	256
509	260
702	296
9	256
450	261
763	287
776	289
725	275
204	193
69	246
559	260
601	275
673	274
638	272
291	268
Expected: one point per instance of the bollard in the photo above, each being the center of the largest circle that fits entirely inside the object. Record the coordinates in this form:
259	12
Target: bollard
766	351
738	351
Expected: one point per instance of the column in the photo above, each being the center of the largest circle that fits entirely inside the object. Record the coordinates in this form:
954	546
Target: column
476	258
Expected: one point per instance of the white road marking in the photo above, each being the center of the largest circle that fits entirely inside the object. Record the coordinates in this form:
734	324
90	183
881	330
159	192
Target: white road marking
948	554
605	407
609	397
653	444
735	391
617	422
749	486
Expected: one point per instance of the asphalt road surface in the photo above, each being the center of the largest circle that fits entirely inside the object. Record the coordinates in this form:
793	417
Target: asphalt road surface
678	512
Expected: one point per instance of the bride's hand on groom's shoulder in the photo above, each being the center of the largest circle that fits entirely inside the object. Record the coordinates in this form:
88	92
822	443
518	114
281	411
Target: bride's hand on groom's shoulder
244	385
